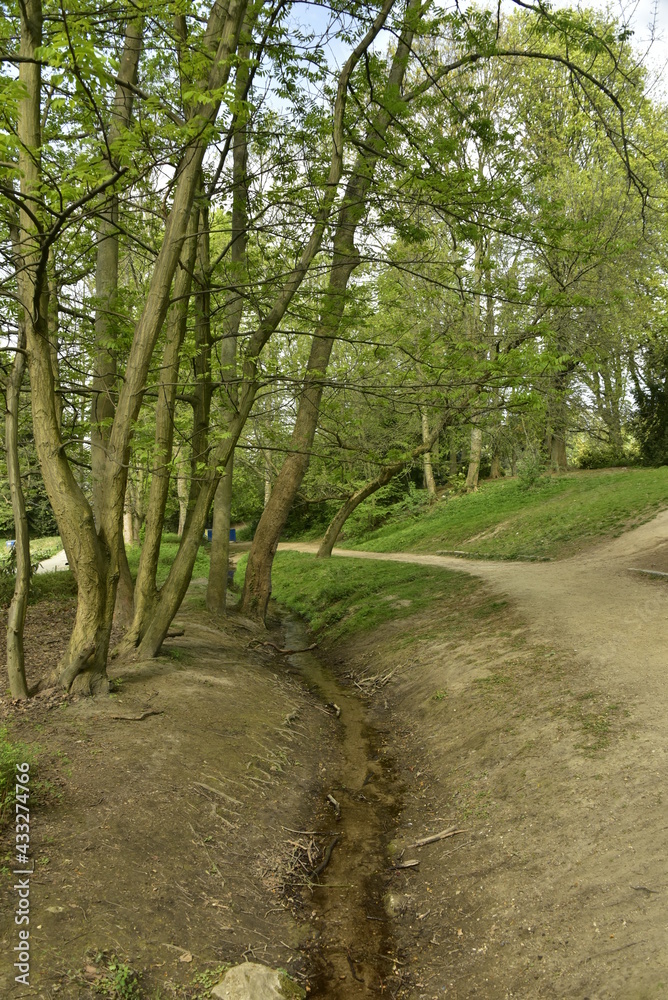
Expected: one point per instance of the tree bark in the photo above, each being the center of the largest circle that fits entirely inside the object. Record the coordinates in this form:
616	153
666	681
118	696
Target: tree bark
558	458
176	584
429	481
17	609
86	647
182	467
106	291
145	586
474	458
383	478
453	454
257	583
94	551
106	277
202	390
216	592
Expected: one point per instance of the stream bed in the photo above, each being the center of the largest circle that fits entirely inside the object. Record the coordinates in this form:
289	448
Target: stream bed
354	954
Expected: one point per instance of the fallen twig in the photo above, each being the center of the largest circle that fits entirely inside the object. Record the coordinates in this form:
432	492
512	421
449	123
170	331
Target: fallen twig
337	808
328	855
413	863
452	832
281	652
643	888
136	718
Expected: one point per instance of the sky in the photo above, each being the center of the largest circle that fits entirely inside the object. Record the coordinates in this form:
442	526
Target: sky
649	21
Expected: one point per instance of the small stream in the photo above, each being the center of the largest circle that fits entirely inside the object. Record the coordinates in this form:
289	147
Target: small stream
355	956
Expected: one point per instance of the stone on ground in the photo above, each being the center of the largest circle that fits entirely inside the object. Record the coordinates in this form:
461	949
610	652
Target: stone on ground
252	981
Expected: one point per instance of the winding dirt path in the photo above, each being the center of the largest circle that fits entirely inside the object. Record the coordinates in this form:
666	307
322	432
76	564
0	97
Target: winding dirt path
593	604
582	900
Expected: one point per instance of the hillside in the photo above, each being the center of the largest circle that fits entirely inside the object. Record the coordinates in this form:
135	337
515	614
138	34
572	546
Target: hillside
508	519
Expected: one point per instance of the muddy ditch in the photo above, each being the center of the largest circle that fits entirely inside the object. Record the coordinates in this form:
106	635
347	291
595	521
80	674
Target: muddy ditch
353	953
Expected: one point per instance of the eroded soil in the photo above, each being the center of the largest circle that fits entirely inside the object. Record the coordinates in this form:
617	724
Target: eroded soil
167	841
531	715
541	727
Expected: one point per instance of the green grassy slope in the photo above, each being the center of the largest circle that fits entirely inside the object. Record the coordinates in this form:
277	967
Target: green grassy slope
339	597
557	517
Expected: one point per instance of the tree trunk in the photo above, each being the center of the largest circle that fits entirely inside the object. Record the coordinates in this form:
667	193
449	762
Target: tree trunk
558	458
145	587
201	394
182	491
86	651
216	591
106	291
429	481
257	583
495	472
267	476
453	454
384	477
17	609
94	555
176	584
474	458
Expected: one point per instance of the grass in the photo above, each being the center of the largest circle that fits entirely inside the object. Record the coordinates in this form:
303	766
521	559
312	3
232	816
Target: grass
339	597
12	753
168	549
506	520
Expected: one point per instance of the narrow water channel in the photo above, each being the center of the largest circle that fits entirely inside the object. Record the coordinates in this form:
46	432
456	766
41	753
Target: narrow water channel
355	955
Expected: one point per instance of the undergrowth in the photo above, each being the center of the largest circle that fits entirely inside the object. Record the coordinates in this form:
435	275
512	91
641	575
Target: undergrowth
12	753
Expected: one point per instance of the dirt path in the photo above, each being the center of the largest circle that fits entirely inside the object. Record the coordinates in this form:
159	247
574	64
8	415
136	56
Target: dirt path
592	605
562	890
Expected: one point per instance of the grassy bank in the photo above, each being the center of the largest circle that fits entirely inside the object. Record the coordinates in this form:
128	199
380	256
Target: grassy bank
340	597
507	519
169	546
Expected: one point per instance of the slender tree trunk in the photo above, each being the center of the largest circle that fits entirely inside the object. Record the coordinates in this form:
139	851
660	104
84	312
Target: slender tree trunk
474	458
429	481
216	592
453	454
94	555
146	587
86	652
17	609
182	491
267	476
382	479
176	584
106	290
558	457
202	391
257	583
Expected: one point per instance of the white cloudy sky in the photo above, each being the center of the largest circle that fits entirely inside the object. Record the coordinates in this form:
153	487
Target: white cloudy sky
649	21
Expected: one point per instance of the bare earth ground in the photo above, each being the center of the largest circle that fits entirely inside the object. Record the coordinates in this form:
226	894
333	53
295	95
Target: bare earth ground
163	840
532	715
543	731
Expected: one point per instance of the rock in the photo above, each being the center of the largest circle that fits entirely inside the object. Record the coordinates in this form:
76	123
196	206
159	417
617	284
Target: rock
252	981
395	903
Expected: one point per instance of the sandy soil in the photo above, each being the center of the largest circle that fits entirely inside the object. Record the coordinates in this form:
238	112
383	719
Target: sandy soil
543	730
